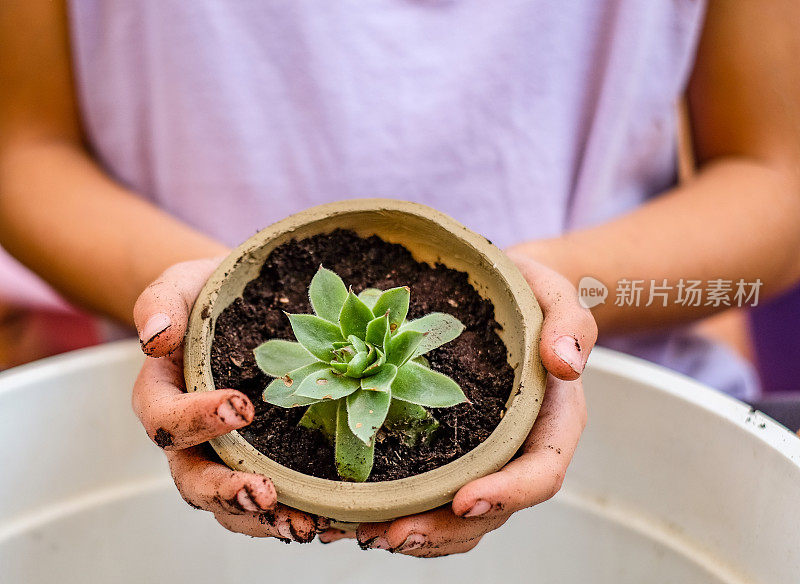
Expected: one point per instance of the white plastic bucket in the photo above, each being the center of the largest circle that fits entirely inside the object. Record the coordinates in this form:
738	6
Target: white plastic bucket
673	483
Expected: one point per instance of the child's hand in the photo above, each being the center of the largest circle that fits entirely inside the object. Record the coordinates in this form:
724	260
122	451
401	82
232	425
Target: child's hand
568	335
181	422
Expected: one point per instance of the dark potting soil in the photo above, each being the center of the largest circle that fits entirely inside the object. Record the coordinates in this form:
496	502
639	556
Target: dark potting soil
476	360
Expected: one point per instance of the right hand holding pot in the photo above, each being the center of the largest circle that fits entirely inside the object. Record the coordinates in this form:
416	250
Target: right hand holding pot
483	505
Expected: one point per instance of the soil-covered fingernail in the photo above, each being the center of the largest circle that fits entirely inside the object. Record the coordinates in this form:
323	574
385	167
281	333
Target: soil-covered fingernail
300	536
234	412
568	350
267	518
412	542
262	494
331	535
321	524
285	530
246	501
154	326
479	508
380	543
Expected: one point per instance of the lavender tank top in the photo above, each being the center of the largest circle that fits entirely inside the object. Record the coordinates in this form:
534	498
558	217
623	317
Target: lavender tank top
520	118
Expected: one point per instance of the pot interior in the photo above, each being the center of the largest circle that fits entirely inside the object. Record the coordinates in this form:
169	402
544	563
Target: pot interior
427	240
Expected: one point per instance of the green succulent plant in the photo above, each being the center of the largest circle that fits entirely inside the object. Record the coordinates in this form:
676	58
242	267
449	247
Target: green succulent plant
358	366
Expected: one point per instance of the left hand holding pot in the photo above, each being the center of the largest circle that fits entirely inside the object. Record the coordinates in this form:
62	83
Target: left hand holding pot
180	423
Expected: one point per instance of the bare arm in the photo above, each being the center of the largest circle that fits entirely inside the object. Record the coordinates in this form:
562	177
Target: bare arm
740	216
60	214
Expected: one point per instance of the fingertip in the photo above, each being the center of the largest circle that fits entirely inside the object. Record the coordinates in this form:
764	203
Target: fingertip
177	420
245	500
471	507
480	497
160	315
464	500
323	523
154	326
162	343
569	330
367	533
302	528
563	356
558	368
235	409
263	493
462	507
333	534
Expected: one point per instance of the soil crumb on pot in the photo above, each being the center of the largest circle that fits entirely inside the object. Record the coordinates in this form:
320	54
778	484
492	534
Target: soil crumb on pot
476	360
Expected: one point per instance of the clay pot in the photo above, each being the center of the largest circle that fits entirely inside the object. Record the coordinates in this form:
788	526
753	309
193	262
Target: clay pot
431	237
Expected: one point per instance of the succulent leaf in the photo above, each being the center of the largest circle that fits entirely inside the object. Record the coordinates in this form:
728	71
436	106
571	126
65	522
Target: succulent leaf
381	381
422	386
402	346
370	296
326	384
422	361
354	317
357	365
278	394
277	357
295	377
441	328
316	334
366	411
281	391
376	330
352	456
387	339
362	360
322	416
411	421
357	343
377	363
339	366
401	412
327	293
395	301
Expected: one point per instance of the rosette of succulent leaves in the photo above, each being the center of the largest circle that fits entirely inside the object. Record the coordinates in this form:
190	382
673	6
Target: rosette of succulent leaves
358	366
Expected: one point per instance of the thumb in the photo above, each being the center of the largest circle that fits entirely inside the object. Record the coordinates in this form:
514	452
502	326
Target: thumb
161	312
569	330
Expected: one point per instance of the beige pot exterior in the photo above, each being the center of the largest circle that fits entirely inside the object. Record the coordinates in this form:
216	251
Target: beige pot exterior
431	237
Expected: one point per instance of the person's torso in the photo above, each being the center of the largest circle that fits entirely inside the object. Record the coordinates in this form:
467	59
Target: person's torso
521	118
